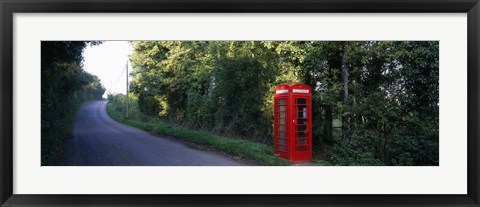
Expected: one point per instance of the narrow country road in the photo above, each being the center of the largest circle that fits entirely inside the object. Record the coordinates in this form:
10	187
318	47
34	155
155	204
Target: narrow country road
98	140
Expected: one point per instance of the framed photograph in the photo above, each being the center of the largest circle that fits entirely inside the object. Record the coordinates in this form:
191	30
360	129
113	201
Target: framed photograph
239	103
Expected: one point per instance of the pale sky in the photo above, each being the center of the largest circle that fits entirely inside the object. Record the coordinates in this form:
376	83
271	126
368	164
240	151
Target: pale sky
107	61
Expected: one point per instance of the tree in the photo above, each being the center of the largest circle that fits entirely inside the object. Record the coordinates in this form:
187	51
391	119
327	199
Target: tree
345	118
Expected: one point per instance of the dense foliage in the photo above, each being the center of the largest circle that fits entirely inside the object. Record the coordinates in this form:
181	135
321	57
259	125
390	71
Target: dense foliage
65	85
374	103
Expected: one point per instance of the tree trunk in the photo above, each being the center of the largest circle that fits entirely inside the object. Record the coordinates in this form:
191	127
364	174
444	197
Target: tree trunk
345	118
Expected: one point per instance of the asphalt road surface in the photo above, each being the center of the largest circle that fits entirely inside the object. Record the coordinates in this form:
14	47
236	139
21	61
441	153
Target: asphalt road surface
98	140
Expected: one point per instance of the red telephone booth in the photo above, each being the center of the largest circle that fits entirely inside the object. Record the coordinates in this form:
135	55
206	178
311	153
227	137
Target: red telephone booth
293	122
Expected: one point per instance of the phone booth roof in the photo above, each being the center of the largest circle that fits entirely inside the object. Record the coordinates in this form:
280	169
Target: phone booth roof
296	88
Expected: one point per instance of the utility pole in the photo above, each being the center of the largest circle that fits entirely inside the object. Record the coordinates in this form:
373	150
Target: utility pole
127	89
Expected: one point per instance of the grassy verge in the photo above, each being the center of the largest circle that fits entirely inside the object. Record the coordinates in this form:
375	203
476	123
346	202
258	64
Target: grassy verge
245	149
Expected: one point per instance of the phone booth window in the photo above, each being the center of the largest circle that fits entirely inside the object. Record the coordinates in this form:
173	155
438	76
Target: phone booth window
281	128
301	124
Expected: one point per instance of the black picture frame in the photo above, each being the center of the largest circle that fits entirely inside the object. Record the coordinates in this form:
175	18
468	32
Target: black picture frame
10	7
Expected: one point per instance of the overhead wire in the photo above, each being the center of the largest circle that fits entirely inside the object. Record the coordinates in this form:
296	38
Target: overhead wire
122	74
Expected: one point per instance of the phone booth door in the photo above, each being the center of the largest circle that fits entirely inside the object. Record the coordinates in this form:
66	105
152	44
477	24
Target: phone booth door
302	151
